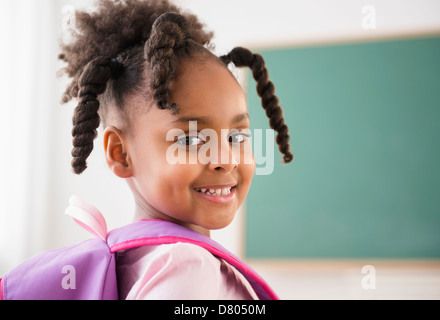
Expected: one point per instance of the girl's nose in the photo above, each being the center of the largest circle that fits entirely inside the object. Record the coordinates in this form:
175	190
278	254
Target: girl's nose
225	167
226	158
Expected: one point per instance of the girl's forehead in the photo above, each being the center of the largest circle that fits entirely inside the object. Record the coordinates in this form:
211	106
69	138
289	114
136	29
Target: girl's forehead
205	92
207	120
205	87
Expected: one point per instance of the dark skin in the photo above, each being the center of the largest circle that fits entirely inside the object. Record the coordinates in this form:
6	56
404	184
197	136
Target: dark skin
168	192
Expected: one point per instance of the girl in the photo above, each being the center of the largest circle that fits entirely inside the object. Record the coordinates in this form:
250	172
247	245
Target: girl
144	69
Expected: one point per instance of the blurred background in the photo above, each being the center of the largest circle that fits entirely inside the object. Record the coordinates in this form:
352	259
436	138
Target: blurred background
314	229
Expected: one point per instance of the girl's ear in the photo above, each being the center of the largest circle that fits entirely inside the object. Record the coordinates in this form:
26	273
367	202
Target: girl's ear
115	152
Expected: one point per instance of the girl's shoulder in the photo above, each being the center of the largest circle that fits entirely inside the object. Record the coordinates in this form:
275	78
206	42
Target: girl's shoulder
170	254
177	271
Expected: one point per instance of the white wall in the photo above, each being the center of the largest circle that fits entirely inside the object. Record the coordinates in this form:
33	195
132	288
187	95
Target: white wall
262	23
252	23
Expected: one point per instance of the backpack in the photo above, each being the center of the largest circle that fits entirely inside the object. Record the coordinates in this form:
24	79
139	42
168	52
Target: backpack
87	270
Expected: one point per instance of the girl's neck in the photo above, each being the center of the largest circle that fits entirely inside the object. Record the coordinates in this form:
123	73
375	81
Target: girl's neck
143	210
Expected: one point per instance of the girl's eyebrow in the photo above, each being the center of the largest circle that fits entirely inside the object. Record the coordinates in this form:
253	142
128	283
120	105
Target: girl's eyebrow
240	117
205	120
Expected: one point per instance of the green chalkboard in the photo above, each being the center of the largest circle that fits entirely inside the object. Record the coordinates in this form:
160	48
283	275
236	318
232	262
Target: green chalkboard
365	130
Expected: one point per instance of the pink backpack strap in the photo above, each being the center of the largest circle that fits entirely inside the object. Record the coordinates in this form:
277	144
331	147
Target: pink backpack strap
87	216
1	289
156	232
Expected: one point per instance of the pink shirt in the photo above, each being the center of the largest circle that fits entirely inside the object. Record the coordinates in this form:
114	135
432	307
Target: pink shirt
179	271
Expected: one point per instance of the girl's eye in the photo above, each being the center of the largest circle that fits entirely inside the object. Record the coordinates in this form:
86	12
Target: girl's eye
239	137
190	141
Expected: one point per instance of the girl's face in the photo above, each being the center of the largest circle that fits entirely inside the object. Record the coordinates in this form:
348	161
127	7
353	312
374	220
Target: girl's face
206	92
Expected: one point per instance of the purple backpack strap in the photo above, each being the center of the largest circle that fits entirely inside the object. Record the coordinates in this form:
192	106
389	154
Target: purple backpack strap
156	232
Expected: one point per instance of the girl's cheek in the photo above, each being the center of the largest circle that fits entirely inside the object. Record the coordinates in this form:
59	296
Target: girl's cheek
247	156
250	168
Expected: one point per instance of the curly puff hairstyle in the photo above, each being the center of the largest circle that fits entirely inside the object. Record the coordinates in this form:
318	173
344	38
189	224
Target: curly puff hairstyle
124	44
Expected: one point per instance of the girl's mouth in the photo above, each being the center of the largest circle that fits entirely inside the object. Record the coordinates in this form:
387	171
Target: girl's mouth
219	195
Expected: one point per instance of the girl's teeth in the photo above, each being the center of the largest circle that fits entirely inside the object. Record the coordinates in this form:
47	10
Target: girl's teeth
216	192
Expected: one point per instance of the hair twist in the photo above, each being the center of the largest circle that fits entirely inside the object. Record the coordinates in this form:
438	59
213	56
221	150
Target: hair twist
242	57
91	83
168	36
116	68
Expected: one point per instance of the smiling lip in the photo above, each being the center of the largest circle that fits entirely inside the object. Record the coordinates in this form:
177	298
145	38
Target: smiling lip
226	195
230	185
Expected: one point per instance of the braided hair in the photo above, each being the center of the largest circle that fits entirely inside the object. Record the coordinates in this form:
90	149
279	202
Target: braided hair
242	57
131	47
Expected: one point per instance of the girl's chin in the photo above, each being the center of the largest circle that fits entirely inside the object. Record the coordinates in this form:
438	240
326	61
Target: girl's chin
218	224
